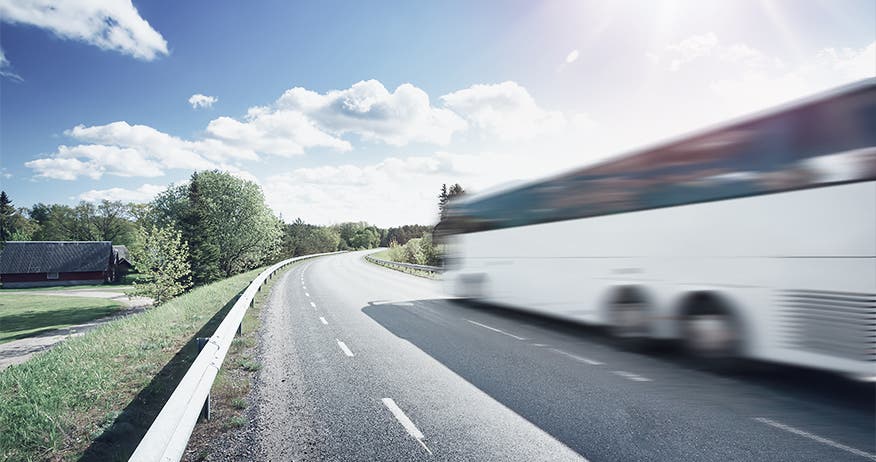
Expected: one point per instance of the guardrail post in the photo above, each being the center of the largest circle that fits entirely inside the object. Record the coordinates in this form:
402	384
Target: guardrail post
205	411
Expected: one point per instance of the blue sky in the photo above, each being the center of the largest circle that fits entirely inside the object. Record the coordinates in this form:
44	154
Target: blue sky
390	99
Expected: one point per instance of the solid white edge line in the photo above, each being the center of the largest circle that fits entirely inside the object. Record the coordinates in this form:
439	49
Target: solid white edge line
406	422
323	320
495	330
344	348
814	437
578	358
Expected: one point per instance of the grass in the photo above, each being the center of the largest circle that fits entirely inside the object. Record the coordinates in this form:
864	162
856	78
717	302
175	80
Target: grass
28	315
93	397
384	255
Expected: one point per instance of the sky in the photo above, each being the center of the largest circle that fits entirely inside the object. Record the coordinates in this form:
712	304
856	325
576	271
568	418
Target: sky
359	111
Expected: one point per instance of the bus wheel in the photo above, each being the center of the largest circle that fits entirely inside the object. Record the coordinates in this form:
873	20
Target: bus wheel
711	335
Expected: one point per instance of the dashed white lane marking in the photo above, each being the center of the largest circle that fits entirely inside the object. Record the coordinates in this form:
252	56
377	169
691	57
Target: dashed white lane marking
540	344
495	330
344	348
578	358
406	422
313	304
323	320
307	293
817	438
631	376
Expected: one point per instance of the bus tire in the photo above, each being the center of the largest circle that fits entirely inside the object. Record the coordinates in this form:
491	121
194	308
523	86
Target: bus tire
710	332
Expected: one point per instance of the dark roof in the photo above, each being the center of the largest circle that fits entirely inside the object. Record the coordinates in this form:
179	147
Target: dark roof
120	252
55	256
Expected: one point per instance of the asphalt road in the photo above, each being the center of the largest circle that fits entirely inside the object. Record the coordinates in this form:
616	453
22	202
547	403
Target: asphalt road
360	362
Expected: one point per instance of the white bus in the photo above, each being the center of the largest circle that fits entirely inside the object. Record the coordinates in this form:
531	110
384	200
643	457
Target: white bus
754	239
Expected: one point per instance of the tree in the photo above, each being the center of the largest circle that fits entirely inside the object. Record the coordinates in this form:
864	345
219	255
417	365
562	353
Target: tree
111	223
246	231
230	213
446	196
14	223
161	257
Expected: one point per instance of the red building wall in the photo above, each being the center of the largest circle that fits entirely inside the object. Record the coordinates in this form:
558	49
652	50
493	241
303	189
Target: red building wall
95	276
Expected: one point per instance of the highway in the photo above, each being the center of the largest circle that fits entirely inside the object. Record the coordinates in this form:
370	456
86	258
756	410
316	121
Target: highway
360	362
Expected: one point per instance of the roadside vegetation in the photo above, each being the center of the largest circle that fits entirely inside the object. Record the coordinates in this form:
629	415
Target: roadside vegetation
418	251
23	315
228	398
94	396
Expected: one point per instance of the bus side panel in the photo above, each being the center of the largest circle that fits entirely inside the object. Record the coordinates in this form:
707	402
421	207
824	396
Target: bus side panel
750	250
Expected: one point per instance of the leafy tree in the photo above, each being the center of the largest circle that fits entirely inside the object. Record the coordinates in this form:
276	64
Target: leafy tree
320	240
111	222
403	234
161	257
245	230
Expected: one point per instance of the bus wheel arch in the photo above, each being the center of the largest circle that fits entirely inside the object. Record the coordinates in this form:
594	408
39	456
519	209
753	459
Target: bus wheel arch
710	327
629	312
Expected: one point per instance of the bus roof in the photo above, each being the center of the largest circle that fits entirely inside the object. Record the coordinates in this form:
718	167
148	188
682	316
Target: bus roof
515	185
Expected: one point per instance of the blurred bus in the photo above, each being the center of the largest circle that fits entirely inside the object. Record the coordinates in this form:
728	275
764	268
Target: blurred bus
754	239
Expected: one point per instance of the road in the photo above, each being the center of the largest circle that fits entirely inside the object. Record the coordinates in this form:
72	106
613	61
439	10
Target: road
361	362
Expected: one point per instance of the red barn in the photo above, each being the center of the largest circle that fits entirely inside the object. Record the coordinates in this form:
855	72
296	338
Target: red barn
51	263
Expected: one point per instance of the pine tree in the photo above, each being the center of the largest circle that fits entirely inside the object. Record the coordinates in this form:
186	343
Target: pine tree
197	232
446	196
7	213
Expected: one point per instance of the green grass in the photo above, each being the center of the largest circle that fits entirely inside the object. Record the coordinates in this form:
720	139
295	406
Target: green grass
94	396
27	315
383	255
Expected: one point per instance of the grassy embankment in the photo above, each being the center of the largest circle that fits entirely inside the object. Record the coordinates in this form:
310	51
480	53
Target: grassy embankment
228	399
24	315
94	396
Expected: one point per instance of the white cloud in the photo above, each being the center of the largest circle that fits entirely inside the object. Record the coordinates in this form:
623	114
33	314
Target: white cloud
572	56
301	120
6	68
95	160
505	110
144	193
108	24
708	48
369	110
391	192
687	50
272	131
200	101
63	168
751	89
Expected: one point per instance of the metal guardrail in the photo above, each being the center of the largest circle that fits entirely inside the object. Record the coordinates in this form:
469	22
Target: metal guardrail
167	438
430	269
